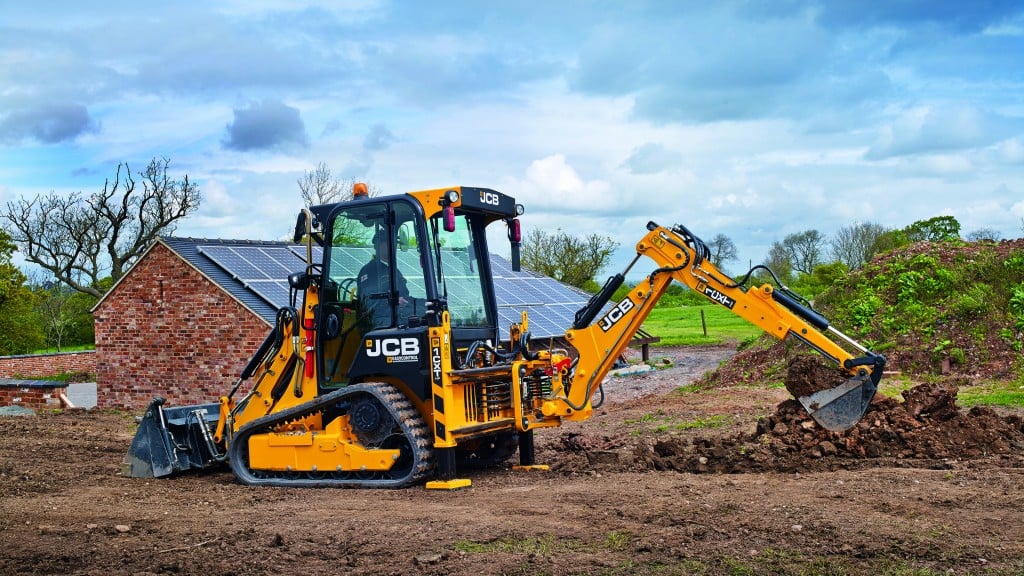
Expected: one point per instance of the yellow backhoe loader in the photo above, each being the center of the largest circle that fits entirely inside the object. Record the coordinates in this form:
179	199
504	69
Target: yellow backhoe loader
387	370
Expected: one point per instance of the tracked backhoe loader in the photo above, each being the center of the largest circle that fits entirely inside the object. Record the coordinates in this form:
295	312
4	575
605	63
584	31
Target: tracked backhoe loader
389	368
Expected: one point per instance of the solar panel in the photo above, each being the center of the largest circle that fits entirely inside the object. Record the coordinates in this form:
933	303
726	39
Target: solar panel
273	291
233	263
276	262
263	269
300	252
550	305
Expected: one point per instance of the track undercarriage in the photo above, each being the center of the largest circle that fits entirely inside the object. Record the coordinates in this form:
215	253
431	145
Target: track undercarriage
388	430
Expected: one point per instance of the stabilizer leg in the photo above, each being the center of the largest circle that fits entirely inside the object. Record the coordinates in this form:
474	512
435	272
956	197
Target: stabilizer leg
528	454
446	480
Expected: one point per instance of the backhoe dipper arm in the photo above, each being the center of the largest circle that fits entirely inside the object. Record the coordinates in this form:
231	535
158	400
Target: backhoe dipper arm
683	257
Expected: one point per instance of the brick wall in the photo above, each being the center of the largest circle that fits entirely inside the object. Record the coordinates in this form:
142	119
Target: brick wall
166	330
34	365
33	394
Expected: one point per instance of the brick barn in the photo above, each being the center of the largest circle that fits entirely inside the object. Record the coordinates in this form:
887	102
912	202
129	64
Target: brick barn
178	326
185	319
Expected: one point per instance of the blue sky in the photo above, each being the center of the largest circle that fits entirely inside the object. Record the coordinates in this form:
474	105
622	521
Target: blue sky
751	119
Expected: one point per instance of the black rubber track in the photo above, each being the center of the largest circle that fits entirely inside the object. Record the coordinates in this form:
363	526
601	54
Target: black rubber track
415	464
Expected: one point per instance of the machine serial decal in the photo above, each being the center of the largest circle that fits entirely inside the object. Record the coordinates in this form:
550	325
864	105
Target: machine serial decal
718	296
394	349
615	314
435	359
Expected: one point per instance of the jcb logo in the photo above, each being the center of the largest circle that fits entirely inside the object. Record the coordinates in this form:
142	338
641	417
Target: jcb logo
390	347
490	198
615	314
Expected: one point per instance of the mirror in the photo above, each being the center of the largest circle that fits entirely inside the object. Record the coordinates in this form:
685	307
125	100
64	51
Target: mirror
301	226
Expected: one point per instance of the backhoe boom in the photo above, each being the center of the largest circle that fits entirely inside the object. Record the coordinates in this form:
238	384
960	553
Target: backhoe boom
682	257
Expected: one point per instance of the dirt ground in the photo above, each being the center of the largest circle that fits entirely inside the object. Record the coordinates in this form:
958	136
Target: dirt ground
723	480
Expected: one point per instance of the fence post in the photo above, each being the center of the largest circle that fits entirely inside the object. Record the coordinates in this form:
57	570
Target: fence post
703	323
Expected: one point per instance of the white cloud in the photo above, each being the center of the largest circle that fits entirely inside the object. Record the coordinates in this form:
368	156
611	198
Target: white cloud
552	182
1012	151
652	158
937	128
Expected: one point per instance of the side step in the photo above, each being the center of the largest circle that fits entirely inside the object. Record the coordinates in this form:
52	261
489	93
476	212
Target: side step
172	440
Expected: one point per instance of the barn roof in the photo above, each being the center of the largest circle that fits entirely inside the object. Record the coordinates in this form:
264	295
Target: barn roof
255	273
195	251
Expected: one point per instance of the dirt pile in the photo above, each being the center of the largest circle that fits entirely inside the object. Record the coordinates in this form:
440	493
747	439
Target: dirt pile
926	430
807	375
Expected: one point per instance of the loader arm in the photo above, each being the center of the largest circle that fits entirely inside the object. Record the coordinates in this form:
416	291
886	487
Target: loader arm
682	257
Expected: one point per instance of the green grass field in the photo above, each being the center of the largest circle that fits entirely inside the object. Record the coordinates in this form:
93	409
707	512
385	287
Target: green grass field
79	348
681	325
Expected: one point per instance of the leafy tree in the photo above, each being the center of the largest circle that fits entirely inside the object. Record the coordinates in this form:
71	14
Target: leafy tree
723	250
19	330
937	229
83	329
889	240
823	277
82	239
566	258
856	244
990	234
779	261
63	314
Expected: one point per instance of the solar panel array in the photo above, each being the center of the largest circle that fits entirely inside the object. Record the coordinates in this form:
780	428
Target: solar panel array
264	270
550	304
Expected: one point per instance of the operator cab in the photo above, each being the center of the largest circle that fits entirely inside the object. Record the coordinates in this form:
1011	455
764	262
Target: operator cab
389	271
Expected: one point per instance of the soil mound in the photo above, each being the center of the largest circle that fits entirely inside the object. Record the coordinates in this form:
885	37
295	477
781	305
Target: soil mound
926	430
807	374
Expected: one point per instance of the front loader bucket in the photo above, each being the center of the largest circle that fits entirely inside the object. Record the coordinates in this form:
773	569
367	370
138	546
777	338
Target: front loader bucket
172	440
839	409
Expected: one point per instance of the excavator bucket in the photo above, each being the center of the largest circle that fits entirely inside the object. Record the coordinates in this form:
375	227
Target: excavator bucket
172	440
840	408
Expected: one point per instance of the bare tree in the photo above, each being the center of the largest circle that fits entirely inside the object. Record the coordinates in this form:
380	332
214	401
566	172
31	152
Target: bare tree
798	252
804	250
319	186
722	250
568	259
855	245
990	234
82	239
